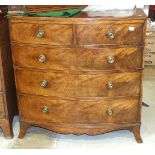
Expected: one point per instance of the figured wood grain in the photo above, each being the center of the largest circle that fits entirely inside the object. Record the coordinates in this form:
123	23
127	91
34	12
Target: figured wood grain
54	34
97	34
77	72
78	85
79	111
78	59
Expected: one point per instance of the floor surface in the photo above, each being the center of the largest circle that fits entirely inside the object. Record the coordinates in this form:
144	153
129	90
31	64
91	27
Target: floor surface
42	138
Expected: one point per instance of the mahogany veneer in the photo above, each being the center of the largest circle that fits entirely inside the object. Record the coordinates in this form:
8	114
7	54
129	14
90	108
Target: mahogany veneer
8	103
79	75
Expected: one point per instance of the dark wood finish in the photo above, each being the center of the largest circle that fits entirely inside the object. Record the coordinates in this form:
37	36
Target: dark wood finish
8	104
75	99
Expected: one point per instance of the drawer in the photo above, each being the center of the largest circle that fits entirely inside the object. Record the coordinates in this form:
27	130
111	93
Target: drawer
78	59
149	59
78	85
150	33
150	44
82	111
52	34
110	34
2	111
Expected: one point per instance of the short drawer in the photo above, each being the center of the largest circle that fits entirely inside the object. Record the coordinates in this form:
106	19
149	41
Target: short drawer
150	44
82	111
2	111
63	84
110	34
51	34
149	58
150	33
78	59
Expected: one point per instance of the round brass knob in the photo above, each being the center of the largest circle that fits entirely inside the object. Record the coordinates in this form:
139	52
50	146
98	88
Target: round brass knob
109	112
43	83
42	58
111	59
111	35
45	110
109	85
40	33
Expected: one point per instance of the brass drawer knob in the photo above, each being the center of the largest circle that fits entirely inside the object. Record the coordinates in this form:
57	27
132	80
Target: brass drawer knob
111	35
45	110
43	83
109	112
111	59
109	85
42	58
40	34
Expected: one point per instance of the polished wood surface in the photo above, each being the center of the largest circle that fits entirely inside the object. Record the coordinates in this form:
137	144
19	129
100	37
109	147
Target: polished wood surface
79	111
78	59
79	78
78	85
8	104
97	34
53	34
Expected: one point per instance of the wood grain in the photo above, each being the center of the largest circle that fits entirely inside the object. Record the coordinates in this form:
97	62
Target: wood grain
78	59
54	34
77	72
97	34
80	110
78	85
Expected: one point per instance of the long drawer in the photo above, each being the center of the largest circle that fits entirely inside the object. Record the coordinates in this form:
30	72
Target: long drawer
110	34
82	111
63	84
2	111
78	58
52	34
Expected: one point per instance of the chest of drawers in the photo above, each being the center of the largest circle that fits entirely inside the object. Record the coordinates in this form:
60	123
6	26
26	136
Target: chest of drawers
8	103
79	75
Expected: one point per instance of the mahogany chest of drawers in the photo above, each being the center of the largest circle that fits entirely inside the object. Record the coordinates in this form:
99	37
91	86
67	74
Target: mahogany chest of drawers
8	103
79	75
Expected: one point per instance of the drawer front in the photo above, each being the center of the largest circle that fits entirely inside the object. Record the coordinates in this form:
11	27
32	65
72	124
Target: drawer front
149	56
2	111
78	59
78	85
110	34
150	33
84	111
150	45
41	34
